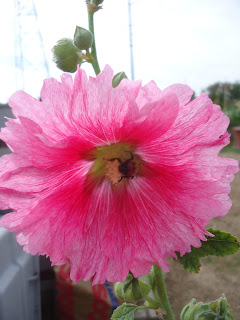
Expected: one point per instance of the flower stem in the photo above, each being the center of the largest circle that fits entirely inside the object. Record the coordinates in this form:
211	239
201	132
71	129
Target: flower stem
94	60
162	293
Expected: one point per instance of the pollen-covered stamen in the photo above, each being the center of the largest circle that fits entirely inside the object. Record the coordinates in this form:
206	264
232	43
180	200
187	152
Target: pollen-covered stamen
112	172
117	162
118	169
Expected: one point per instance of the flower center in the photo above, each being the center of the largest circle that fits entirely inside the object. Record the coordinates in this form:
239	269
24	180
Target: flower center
117	162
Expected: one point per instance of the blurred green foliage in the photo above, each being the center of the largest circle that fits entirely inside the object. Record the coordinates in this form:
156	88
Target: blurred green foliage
227	95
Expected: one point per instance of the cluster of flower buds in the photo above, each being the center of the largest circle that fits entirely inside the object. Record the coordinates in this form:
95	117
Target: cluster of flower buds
67	53
214	310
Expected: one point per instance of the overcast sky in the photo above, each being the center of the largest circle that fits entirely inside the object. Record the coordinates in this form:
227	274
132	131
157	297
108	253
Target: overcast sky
186	41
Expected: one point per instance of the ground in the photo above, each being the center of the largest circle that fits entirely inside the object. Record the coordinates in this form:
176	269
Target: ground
217	275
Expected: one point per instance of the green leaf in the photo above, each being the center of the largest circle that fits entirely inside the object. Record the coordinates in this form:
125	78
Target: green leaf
118	78
214	310
222	244
185	309
125	312
83	39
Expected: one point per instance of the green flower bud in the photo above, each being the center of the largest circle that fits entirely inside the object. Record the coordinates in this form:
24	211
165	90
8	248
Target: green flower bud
118	78
97	2
65	55
134	289
214	310
83	39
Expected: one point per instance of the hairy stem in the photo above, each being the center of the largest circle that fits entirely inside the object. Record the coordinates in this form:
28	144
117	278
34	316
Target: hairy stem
162	293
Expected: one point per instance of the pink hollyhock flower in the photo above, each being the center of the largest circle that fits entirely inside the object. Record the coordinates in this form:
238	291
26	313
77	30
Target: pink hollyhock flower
113	179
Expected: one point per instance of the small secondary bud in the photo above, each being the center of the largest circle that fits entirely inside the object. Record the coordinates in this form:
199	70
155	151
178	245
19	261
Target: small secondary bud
118	78
83	39
65	55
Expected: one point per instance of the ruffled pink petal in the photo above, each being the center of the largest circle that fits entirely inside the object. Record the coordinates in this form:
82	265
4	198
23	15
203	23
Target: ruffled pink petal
152	121
199	129
183	92
37	150
48	210
51	112
150	92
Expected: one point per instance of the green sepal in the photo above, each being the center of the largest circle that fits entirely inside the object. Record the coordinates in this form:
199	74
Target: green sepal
65	55
214	310
134	289
146	283
118	78
83	39
222	244
125	312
